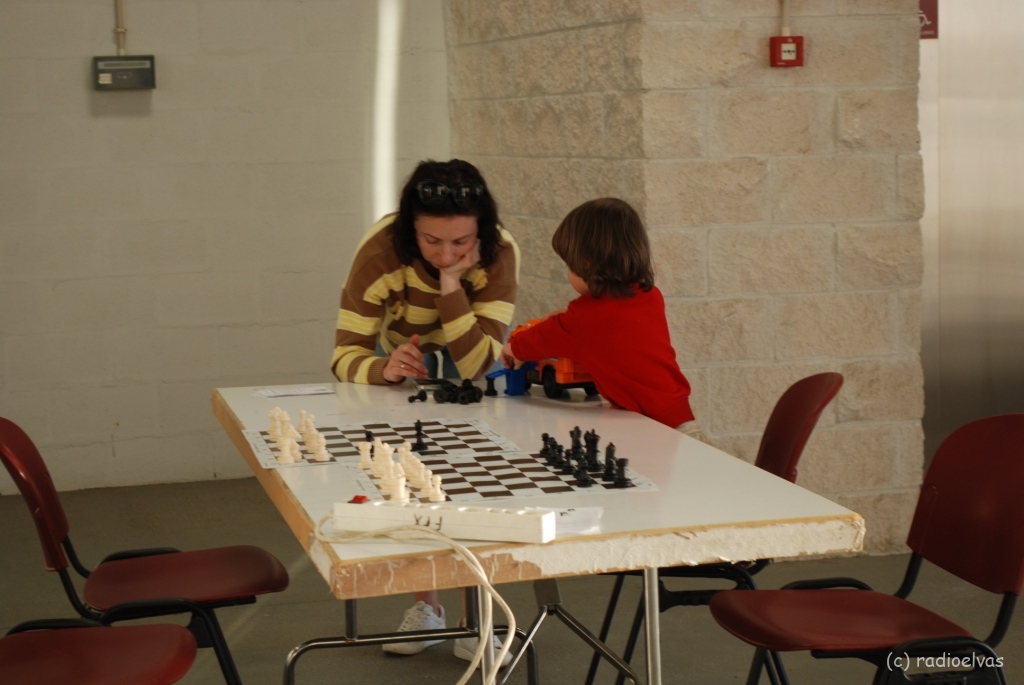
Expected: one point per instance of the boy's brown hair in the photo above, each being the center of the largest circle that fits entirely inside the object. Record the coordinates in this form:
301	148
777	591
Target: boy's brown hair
604	242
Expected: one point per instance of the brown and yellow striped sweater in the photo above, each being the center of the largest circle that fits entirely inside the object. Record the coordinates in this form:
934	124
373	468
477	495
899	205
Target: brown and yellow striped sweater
388	301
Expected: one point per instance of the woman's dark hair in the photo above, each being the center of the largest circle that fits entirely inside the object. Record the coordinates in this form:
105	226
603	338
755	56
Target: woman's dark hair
476	201
604	242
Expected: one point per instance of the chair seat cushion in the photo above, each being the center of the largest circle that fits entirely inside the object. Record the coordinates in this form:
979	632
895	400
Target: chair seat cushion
157	654
826	620
221	574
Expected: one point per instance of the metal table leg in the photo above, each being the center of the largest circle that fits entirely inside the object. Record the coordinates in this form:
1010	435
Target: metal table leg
653	627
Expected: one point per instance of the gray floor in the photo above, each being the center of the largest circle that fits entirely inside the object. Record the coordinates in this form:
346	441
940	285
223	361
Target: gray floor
195	515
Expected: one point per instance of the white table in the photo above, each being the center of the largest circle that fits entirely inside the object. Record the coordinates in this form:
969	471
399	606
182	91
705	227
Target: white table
709	506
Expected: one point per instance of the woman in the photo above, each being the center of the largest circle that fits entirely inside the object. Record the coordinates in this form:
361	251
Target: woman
440	274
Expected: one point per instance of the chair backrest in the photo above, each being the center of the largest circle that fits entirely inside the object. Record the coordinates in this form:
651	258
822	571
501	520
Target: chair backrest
30	474
970	514
792	421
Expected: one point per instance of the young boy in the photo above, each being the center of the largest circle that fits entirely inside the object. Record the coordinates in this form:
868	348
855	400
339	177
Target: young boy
617	326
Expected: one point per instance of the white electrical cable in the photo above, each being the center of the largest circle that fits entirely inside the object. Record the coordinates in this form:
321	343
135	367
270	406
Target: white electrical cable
474	565
785	18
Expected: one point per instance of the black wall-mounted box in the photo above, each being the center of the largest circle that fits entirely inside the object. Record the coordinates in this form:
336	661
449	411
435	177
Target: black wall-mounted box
124	72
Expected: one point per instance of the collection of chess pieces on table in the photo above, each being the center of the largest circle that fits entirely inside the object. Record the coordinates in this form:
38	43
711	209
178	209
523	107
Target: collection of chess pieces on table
286	437
446	391
583	459
375	456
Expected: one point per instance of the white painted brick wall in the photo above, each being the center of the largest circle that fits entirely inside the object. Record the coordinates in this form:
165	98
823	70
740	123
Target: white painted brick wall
155	245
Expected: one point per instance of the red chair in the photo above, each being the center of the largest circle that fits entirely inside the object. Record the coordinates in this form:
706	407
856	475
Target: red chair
968	521
72	653
785	435
148	582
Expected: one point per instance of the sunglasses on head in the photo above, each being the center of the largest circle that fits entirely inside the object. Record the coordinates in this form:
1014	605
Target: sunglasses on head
464	195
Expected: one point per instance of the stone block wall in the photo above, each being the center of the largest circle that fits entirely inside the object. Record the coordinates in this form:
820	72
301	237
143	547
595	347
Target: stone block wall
782	204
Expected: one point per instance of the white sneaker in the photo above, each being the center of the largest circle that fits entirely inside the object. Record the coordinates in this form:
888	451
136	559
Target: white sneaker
465	648
419	616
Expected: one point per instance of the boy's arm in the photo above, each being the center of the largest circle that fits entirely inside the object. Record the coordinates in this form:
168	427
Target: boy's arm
551	337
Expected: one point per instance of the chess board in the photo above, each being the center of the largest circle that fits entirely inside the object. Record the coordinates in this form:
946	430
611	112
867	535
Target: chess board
513	474
474	461
442	437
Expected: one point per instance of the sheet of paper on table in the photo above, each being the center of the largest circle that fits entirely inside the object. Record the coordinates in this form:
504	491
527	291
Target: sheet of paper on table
294	391
577	521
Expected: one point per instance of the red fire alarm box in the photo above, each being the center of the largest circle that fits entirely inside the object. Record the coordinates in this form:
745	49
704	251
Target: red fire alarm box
787	51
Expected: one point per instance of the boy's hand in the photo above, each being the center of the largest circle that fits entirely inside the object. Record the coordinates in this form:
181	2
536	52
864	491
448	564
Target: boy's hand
509	359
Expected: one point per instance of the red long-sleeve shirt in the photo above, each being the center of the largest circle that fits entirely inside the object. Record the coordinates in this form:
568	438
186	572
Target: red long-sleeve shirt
625	345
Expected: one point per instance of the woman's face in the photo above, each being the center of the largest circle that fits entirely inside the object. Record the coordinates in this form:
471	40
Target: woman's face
444	240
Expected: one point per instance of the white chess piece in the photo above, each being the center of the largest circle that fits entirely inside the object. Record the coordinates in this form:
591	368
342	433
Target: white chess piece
436	493
376	459
387	464
311	422
309	432
320	452
399	493
364	455
274	430
287	451
378	456
425	483
415	474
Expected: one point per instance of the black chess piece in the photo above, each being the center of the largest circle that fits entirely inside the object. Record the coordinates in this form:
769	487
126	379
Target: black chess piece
621	481
575	434
421	396
369	438
583	477
419	445
490	391
591	439
545	451
570	465
559	456
556	453
609	463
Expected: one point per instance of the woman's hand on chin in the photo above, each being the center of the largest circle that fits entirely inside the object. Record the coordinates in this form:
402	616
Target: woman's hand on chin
451	276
